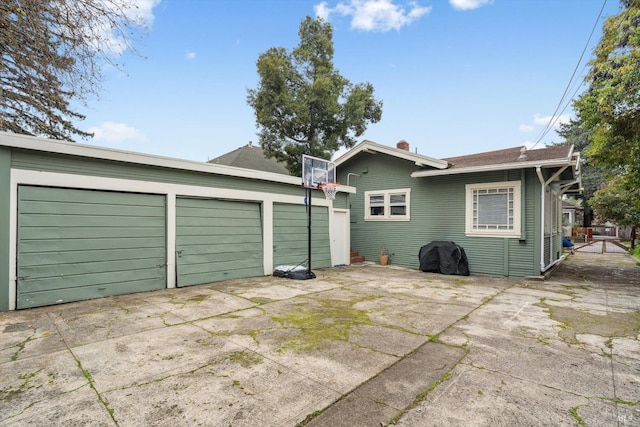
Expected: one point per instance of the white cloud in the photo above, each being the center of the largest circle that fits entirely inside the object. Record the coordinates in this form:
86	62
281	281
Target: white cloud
115	132
374	15
545	120
190	55
526	128
138	12
468	4
322	11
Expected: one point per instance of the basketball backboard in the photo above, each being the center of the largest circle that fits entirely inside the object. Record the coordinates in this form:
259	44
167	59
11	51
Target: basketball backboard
317	171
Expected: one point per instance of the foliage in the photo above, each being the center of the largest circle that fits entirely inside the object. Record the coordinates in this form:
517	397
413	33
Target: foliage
303	105
52	53
610	108
593	176
619	203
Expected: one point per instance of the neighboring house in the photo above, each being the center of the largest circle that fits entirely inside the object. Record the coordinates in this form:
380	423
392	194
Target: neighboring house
570	214
251	157
503	207
80	222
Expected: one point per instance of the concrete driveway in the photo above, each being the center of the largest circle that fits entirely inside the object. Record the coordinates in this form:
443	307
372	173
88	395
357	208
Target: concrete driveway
358	346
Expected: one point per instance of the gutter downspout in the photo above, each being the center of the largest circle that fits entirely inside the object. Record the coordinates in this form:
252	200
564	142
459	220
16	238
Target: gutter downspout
553	202
349	195
542	197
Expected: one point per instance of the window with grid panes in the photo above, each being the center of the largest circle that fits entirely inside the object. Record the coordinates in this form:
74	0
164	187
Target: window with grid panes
387	205
493	209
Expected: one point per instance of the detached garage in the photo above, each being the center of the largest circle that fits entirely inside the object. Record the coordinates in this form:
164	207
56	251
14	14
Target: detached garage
79	244
80	222
290	238
217	240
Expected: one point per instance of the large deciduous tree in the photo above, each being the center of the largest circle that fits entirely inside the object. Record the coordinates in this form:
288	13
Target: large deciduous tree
303	105
52	54
610	107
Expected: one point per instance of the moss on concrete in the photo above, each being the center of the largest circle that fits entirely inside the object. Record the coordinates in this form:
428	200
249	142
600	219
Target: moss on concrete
574	322
331	320
246	359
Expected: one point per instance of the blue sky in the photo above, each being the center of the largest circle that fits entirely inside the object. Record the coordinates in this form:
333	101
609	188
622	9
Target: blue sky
455	76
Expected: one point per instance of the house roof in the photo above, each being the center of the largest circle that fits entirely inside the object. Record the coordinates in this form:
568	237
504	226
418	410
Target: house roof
372	147
250	157
510	158
509	155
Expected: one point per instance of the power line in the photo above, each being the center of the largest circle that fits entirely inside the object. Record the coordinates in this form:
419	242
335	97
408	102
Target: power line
555	117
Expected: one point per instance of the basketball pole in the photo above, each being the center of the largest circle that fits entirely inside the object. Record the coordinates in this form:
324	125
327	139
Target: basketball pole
310	275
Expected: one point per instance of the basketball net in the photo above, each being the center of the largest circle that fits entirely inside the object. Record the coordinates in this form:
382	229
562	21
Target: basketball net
330	189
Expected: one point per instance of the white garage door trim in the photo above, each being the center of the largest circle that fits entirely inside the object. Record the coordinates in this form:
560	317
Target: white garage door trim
29	177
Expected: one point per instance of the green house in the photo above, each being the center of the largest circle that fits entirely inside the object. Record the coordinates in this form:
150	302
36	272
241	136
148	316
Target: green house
80	222
503	207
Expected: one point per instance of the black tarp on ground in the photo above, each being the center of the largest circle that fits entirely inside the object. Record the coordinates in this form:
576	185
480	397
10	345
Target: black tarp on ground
443	257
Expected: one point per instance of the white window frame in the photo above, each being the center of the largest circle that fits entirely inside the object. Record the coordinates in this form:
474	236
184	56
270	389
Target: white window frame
515	232
387	205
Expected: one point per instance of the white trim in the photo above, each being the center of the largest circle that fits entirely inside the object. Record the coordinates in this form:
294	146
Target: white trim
372	148
346	189
171	191
517	207
267	237
13	244
488	168
387	206
346	237
171	240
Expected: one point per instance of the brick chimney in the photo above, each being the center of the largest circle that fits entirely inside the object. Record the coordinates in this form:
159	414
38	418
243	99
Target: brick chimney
403	145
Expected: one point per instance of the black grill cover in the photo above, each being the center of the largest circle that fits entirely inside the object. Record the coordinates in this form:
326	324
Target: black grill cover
444	258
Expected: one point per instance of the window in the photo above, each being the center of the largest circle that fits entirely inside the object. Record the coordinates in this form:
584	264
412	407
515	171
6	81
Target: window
493	209
387	205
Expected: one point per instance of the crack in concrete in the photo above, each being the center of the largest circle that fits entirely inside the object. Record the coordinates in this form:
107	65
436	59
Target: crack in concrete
89	379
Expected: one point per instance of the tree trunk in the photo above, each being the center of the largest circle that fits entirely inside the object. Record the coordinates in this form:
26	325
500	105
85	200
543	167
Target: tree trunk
633	237
588	217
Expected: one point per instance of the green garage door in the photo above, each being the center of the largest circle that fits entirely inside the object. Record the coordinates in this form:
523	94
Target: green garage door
290	235
217	240
81	244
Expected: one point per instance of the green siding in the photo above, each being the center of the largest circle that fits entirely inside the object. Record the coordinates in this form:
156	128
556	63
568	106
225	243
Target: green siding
341	201
217	240
437	213
290	236
50	162
5	175
80	244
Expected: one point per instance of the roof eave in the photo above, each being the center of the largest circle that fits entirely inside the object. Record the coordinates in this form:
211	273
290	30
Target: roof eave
372	148
75	149
487	168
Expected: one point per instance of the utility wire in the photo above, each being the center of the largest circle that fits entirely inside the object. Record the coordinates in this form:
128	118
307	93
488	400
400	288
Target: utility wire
555	117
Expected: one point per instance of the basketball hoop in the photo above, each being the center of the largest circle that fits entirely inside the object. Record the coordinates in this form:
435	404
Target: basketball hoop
330	189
